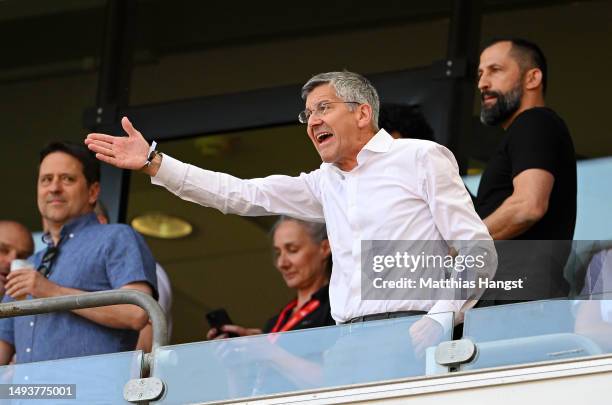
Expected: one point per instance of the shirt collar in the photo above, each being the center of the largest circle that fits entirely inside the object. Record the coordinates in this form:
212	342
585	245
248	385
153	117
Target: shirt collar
379	143
72	226
322	293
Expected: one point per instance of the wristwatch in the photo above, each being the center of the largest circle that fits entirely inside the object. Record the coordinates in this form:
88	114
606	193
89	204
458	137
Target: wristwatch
151	155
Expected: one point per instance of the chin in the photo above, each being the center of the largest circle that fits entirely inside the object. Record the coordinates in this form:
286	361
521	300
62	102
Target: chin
293	284
57	218
326	158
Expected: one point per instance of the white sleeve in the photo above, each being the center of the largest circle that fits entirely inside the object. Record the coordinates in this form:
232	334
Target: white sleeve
456	219
273	195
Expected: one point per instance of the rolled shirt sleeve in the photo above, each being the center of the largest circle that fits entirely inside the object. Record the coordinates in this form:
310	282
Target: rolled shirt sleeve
129	260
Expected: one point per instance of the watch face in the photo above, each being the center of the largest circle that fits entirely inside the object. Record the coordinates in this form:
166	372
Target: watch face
152	152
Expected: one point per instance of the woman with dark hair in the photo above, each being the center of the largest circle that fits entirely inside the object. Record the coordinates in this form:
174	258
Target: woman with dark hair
302	256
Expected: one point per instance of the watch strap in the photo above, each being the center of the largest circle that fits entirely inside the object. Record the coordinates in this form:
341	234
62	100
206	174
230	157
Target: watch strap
151	155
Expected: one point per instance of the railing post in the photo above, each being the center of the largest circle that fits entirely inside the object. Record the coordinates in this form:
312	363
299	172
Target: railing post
135	390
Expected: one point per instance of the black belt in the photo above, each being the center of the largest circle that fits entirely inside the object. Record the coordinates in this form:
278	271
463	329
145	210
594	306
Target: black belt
385	315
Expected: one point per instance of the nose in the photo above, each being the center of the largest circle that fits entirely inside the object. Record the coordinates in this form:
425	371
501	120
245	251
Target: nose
314	119
55	185
483	83
282	262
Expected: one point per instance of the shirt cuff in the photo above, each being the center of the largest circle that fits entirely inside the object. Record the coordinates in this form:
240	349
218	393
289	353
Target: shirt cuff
438	314
171	174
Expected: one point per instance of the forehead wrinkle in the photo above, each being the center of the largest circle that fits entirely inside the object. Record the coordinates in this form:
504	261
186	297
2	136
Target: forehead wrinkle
52	173
286	243
318	103
323	93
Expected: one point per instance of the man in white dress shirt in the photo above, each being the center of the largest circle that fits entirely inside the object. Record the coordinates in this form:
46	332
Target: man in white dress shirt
369	187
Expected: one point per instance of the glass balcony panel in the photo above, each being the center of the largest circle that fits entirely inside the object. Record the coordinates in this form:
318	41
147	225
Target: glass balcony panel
299	360
97	379
540	331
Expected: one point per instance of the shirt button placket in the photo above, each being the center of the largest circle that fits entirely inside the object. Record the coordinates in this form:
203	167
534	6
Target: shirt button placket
353	217
352	203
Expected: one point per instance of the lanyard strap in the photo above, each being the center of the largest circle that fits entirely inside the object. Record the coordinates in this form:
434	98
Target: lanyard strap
297	316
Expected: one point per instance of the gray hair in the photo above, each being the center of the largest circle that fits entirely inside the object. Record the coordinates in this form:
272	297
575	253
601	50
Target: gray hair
349	86
316	230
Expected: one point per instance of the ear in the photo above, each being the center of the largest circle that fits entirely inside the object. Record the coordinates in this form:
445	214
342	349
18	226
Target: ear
94	192
325	248
364	119
533	79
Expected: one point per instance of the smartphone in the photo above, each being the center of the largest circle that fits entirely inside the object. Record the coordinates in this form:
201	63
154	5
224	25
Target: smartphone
219	317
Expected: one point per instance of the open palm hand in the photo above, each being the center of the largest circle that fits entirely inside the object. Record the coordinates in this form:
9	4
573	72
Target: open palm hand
123	152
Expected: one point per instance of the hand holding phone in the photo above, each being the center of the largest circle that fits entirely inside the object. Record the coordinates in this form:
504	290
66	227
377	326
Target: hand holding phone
221	322
218	318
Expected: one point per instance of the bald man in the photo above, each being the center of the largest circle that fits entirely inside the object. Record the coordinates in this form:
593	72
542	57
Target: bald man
15	243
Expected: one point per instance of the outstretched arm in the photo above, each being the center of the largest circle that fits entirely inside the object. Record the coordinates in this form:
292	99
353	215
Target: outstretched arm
129	152
295	196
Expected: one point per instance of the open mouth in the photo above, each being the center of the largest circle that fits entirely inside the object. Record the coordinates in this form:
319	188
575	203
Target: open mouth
323	136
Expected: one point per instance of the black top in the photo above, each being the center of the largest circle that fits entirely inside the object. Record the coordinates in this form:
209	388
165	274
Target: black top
321	316
537	139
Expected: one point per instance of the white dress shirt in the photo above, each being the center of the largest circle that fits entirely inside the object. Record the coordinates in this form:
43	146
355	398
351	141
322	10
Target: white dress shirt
401	189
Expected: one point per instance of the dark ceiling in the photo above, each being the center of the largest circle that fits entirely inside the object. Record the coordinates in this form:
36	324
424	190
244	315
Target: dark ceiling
57	37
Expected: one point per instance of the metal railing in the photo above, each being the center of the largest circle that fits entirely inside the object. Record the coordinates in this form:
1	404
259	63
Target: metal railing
93	300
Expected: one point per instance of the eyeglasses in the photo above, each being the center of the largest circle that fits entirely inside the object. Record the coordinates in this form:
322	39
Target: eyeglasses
47	260
320	110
